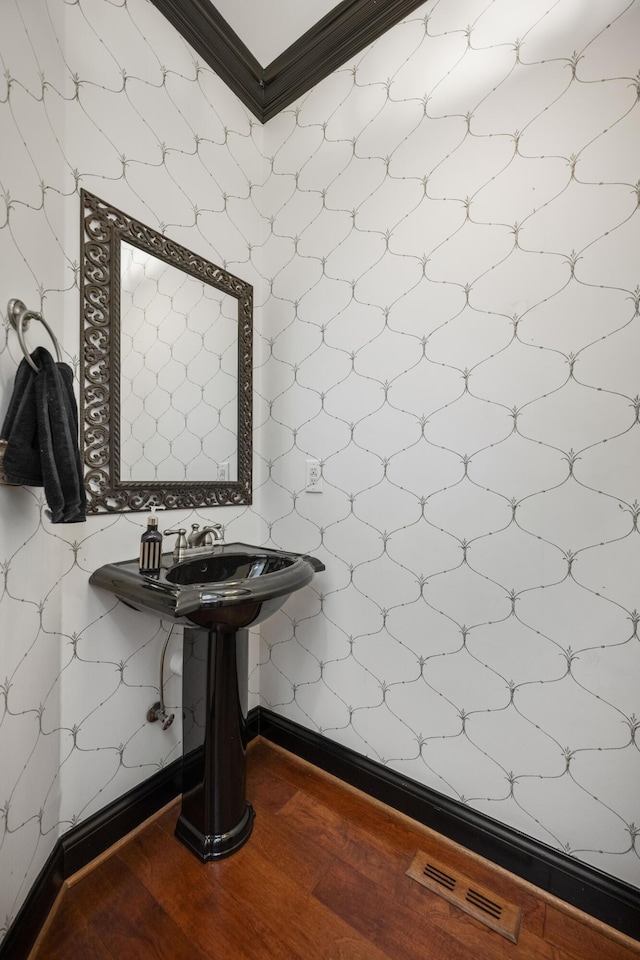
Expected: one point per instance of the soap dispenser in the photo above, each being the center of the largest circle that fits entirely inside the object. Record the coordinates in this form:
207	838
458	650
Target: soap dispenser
151	548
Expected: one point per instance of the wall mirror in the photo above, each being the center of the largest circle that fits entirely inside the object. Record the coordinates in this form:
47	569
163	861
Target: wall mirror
166	370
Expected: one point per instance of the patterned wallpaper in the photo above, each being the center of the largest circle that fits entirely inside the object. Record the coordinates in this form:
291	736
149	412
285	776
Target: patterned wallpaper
453	331
102	95
443	238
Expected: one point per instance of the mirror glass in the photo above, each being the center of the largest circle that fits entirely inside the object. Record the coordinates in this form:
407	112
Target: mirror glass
166	370
178	373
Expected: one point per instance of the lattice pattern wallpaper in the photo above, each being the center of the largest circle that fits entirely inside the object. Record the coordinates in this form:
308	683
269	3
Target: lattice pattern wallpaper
453	330
443	241
102	95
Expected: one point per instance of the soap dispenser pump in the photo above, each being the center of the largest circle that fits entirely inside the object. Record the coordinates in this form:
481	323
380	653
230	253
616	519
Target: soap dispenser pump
151	548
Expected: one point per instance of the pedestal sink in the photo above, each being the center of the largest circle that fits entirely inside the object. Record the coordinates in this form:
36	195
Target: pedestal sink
216	592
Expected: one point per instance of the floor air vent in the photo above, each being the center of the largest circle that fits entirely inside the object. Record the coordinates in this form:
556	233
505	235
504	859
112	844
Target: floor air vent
480	903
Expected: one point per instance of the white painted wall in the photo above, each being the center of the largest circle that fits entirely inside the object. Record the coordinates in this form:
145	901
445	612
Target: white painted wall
442	236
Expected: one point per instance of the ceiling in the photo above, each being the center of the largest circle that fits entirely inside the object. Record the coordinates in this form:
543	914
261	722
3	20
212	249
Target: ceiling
268	27
270	52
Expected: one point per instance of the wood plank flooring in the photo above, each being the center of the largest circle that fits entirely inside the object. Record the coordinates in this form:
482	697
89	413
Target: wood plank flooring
322	878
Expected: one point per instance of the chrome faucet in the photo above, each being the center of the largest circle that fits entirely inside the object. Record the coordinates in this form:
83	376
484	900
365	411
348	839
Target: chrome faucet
205	537
197	538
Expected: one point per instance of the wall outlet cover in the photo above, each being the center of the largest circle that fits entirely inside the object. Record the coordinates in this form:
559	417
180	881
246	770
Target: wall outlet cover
313	476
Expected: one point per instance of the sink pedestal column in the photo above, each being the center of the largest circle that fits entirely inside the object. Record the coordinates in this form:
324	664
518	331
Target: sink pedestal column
216	819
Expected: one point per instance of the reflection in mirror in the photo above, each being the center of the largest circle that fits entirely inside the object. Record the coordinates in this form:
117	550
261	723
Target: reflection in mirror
178	373
166	370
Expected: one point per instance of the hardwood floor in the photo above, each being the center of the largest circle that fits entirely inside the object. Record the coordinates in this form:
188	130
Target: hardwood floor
322	878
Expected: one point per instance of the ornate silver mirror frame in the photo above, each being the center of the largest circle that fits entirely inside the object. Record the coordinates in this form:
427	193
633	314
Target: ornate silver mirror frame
103	229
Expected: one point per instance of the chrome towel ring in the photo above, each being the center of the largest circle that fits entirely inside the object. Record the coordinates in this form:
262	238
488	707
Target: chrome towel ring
19	317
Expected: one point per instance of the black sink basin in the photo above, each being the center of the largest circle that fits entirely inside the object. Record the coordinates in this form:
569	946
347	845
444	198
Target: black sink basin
229	586
226	567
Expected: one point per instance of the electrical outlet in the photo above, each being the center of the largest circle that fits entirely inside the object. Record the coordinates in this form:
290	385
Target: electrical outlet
223	472
313	477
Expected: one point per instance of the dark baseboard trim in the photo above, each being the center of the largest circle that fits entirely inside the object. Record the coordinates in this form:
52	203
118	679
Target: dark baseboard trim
92	837
82	844
595	893
31	917
253	723
336	38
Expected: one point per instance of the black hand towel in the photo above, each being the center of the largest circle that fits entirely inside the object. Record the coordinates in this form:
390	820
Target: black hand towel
41	430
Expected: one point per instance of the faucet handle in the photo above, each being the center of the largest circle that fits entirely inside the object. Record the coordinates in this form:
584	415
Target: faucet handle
181	543
213	534
205	537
